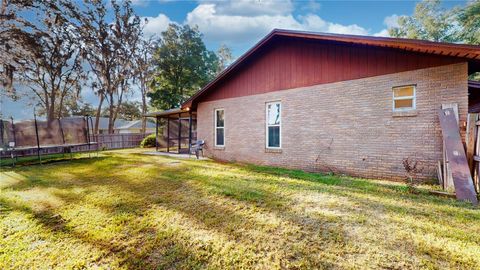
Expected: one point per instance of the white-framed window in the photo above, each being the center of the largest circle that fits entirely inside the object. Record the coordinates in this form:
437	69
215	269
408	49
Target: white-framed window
273	125
404	98
219	127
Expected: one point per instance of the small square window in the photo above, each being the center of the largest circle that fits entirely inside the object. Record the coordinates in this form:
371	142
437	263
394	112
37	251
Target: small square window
404	98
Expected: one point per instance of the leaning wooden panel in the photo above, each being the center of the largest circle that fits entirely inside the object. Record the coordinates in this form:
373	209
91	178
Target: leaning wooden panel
448	183
462	178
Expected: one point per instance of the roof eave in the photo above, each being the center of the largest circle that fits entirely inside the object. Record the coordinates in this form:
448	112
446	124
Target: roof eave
472	55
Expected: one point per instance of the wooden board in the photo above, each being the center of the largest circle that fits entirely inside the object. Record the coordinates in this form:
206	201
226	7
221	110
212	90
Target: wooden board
470	139
455	153
448	179
440	173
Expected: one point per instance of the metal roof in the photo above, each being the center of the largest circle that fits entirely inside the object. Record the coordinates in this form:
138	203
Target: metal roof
471	53
136	124
166	112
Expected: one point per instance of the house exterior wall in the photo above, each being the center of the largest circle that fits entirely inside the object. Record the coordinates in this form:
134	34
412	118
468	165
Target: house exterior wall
287	63
343	127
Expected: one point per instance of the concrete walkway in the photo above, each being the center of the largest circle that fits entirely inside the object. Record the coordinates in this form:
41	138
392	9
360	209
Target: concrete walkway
174	155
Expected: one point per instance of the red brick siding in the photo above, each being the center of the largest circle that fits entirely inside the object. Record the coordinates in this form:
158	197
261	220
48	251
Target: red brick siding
345	127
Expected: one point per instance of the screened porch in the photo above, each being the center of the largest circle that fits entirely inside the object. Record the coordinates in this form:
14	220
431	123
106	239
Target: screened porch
175	131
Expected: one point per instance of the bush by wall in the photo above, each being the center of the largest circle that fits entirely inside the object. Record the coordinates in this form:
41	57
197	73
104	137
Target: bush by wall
148	141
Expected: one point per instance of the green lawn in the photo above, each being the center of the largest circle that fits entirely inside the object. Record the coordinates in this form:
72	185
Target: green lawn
124	210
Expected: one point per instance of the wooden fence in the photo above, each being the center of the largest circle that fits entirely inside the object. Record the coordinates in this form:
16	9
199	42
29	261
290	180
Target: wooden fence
118	141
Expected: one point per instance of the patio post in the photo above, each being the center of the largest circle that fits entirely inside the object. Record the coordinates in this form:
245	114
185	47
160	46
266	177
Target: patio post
156	132
189	131
179	132
168	134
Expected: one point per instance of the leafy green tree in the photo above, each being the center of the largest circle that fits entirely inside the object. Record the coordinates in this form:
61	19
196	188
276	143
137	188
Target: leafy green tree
431	22
225	57
182	66
428	22
469	20
81	109
128	111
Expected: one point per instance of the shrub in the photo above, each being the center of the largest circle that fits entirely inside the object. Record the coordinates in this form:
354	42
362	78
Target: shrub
411	169
148	141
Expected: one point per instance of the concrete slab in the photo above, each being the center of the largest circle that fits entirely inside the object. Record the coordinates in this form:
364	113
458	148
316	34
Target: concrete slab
174	155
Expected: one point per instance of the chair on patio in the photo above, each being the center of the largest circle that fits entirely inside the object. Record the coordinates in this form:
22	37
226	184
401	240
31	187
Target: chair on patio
197	147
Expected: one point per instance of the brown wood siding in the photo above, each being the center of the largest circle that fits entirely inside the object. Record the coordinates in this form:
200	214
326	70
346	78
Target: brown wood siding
288	63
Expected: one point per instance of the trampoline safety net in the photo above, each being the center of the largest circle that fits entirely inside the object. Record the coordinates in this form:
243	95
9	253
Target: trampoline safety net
57	133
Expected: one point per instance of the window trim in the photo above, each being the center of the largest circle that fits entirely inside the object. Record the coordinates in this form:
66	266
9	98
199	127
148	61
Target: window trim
267	125
413	98
216	127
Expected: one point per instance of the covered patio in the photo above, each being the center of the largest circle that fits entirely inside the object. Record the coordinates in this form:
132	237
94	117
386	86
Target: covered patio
175	130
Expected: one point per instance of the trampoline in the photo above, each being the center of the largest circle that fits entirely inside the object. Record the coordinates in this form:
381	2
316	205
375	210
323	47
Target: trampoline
34	136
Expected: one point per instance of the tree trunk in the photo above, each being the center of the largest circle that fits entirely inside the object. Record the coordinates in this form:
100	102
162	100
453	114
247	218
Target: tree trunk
144	109
111	121
99	111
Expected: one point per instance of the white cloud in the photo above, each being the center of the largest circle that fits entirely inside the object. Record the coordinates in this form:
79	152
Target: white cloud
228	28
390	22
311	6
382	33
142	3
156	25
251	8
315	23
236	28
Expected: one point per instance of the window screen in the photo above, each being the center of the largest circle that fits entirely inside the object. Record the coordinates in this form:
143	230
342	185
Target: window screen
219	127
273	125
404	98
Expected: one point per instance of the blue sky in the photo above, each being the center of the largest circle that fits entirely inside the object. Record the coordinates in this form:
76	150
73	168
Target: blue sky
240	24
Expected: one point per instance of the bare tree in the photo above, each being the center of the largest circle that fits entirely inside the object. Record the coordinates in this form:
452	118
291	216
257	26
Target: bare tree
127	31
55	75
144	72
45	55
17	40
109	51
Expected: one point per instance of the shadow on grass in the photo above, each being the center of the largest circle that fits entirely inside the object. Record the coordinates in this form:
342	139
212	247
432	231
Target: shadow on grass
213	196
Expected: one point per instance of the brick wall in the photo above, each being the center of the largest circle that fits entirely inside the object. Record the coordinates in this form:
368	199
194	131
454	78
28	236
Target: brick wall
345	127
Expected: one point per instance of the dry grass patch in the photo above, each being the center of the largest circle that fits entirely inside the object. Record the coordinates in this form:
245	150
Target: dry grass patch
124	210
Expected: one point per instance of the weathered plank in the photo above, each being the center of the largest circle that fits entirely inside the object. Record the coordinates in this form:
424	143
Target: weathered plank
455	152
470	139
440	173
